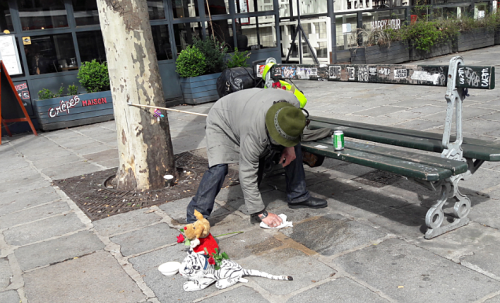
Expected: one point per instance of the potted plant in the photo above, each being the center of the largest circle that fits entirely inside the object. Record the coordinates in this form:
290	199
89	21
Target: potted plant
380	46
476	33
66	109
428	39
199	66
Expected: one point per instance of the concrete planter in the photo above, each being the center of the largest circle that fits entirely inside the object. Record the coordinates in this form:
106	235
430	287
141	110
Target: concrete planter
397	52
497	36
436	50
477	38
201	89
76	110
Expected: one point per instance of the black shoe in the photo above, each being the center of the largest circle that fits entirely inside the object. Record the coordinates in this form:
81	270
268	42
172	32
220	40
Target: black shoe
311	203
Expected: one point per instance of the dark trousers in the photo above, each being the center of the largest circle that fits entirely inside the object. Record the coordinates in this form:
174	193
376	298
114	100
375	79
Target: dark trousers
212	181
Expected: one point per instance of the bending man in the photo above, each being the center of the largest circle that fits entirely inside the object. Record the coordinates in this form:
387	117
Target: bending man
244	127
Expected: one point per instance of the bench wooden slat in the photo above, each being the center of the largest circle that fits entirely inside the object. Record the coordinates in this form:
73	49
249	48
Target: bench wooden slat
353	153
473	148
456	167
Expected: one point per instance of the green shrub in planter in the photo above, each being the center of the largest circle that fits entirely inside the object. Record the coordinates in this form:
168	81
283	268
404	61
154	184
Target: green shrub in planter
423	34
45	93
94	76
238	59
214	53
190	63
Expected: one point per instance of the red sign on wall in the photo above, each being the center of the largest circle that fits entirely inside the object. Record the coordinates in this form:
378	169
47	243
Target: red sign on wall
413	19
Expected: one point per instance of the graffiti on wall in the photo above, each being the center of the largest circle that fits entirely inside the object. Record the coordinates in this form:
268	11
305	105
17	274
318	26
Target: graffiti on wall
433	75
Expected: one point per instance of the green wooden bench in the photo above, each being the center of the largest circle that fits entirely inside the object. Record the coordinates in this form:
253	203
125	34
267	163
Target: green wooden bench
457	158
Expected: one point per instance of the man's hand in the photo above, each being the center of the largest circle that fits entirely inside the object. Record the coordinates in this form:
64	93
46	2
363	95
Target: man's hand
287	156
272	220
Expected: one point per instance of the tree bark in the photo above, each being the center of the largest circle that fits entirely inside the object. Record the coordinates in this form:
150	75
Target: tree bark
144	144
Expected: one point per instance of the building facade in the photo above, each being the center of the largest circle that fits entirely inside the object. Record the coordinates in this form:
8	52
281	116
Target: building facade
53	37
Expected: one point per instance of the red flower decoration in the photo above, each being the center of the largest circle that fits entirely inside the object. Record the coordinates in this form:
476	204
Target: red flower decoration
185	227
211	261
180	238
283	87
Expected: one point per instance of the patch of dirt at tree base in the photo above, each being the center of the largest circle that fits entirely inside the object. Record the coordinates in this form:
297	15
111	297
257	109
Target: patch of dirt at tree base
92	196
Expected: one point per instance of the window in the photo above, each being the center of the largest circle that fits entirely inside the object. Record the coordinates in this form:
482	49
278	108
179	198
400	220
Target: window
185	8
42	14
50	54
156	9
185	33
250	6
85	12
161	40
91	46
259	32
218	7
5	19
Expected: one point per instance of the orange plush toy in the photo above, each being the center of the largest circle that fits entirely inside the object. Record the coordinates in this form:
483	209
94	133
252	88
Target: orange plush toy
199	235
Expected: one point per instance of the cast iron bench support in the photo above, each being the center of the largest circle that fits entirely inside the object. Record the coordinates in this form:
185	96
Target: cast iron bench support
427	170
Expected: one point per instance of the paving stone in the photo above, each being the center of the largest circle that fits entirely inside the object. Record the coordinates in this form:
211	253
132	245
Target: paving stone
51	153
57	250
25	199
5	273
495	299
125	222
77	168
93	278
340	290
177	210
33	214
16	175
240	294
289	262
482	179
91	148
474	243
348	171
424	277
378	111
252	242
332	234
9	296
43	229
147	238
29	183
485	211
406	222
44	163
167	289
230	223
418	124
105	155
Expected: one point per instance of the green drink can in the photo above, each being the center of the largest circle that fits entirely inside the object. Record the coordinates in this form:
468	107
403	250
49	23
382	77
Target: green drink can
338	140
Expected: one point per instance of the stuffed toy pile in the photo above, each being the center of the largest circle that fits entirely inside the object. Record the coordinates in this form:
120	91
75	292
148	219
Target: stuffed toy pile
204	264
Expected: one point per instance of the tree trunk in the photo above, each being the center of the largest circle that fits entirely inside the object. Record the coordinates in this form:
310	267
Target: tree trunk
144	144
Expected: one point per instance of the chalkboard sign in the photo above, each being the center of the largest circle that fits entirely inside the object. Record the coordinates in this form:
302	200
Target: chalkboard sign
11	106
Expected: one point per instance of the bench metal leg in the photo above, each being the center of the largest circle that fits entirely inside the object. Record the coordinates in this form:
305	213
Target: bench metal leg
435	216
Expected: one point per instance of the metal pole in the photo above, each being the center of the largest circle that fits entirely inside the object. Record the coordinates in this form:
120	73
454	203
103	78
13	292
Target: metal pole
299	28
169	109
333	26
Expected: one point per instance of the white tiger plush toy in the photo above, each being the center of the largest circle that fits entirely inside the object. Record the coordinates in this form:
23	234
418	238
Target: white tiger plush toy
200	274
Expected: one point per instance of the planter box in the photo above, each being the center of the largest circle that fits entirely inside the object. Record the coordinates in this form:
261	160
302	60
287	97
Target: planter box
497	36
201	89
71	111
396	53
436	50
477	38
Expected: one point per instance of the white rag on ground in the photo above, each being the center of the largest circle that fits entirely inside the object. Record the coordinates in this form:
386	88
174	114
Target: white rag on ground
283	224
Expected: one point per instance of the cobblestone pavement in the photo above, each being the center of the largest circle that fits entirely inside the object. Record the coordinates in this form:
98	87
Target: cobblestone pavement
367	246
